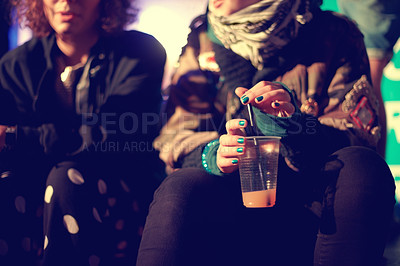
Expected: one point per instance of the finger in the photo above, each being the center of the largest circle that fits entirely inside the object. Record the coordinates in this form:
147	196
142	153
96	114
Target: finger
283	109
280	109
229	152
265	83
274	95
232	140
227	165
236	127
257	91
246	96
239	91
267	101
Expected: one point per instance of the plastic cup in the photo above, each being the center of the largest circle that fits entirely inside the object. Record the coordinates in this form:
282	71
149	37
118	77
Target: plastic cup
258	168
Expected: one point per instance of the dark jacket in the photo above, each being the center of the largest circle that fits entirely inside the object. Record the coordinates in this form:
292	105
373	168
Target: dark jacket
117	100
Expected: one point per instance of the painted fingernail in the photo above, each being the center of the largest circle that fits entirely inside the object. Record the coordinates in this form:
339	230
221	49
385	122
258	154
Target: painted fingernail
259	98
241	123
276	104
240	150
235	161
245	99
240	140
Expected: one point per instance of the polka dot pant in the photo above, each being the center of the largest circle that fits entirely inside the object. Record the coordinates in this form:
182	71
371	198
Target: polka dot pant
90	215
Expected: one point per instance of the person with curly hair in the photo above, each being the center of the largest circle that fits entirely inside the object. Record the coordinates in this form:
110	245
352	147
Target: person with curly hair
78	104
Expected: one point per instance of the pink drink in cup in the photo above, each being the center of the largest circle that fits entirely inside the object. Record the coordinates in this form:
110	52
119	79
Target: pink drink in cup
258	168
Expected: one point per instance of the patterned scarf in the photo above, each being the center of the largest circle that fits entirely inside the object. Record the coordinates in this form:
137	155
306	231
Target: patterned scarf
259	30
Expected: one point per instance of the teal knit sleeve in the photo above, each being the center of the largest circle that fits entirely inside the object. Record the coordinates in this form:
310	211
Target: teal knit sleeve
209	158
271	125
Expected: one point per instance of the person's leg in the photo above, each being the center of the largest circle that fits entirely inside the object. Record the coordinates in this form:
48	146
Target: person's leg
70	218
21	203
95	209
188	208
199	219
357	209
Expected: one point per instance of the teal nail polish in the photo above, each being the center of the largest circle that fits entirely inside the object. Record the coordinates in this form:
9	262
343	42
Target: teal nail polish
240	150
240	140
245	99
241	123
235	161
259	98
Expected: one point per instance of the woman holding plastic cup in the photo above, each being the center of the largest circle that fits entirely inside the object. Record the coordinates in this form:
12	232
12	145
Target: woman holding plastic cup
305	74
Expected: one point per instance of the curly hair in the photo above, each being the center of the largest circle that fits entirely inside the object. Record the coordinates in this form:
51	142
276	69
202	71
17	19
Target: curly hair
114	15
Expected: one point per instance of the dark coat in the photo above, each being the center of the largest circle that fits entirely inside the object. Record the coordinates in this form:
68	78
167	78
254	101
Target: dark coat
118	99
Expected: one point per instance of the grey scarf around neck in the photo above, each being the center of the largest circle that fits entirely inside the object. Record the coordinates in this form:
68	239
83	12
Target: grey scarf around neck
259	30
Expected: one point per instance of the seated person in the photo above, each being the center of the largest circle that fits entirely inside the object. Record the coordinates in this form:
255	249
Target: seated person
305	72
81	97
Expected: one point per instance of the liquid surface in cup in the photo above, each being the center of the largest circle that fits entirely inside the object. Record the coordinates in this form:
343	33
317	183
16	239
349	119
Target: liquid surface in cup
259	199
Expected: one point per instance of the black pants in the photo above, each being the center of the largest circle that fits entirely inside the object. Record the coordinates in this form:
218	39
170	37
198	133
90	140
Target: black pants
87	210
335	216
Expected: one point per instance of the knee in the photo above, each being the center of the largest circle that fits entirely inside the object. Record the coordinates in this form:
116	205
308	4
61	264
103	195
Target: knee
63	179
362	167
363	160
185	183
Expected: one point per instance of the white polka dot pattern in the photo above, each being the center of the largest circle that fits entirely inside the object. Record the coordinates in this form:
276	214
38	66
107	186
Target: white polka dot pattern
48	194
71	224
112	202
20	204
124	186
5	174
75	176
115	209
46	242
96	215
122	245
102	186
94	260
3	247
119	225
